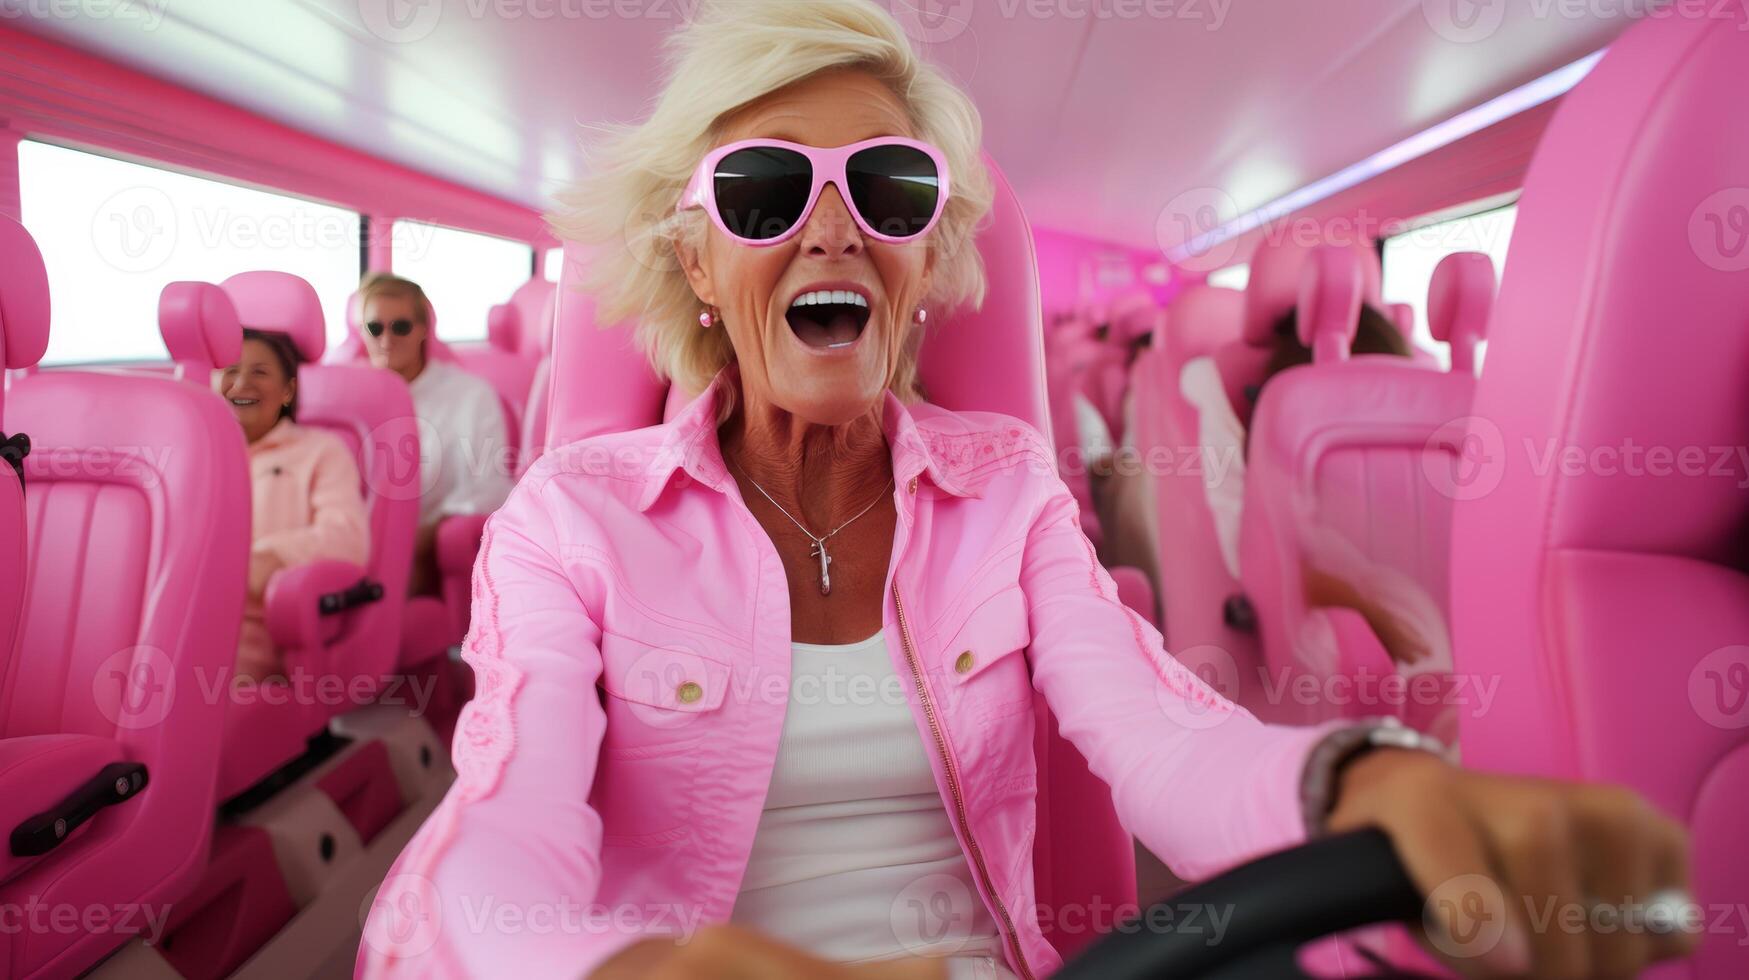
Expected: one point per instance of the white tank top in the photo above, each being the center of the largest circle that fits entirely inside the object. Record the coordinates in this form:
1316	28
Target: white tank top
855	859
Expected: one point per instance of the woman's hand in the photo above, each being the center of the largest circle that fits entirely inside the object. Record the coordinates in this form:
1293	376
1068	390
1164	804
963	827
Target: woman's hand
1523	877
733	953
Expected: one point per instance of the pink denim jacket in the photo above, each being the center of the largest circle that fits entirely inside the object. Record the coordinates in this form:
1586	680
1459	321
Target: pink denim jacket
631	640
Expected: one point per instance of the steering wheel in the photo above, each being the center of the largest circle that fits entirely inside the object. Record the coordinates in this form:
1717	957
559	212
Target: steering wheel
1277	904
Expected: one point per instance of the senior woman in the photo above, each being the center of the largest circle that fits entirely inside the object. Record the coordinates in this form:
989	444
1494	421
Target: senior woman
816	608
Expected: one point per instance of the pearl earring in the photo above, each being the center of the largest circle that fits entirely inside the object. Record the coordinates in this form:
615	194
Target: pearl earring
706	318
921	316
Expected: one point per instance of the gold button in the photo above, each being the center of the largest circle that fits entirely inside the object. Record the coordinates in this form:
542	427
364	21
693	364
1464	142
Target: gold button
912	486
689	692
964	663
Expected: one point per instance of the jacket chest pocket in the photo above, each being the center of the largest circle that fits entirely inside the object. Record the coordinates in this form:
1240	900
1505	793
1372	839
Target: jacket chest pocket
984	654
661	697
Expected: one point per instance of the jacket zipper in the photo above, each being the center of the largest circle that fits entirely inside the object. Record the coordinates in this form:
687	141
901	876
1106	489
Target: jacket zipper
953	785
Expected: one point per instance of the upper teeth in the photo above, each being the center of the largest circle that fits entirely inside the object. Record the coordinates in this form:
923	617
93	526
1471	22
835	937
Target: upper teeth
819	296
244	401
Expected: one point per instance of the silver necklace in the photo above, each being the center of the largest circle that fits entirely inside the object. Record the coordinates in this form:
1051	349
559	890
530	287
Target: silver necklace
819	549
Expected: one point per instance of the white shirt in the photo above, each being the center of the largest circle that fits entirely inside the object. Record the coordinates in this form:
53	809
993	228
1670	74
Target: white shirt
464	450
855	858
1221	440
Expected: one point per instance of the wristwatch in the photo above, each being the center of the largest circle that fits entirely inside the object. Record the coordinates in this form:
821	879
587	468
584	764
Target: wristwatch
1341	746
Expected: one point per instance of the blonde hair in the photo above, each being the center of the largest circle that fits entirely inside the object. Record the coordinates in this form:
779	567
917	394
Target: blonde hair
387	284
734	53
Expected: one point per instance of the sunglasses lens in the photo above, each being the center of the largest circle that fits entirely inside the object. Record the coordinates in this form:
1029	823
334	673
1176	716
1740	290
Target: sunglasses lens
375	328
762	191
896	189
402	327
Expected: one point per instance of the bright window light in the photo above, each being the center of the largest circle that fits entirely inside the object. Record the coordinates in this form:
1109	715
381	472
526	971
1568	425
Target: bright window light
464	274
1411	257
552	263
113	233
1232	277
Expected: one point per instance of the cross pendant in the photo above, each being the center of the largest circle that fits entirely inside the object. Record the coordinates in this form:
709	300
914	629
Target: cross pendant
825	571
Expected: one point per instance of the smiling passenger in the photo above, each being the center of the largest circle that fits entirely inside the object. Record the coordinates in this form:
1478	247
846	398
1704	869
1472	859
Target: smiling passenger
306	498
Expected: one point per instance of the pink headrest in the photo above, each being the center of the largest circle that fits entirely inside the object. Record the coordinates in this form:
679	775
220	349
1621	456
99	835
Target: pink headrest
24	298
1332	286
199	324
992	359
1274	288
1199	321
282	303
1133	315
1458	304
504	327
548	317
1403	318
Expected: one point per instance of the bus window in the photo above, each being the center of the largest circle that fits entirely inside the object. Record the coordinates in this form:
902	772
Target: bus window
464	273
112	233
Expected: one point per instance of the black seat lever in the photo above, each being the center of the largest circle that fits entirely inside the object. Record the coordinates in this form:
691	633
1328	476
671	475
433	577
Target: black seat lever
115	783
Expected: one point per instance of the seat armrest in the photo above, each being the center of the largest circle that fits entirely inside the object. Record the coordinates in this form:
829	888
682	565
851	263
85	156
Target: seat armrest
43	775
302	602
458	544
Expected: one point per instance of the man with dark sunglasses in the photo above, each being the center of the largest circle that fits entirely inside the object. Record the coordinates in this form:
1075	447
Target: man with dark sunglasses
463	443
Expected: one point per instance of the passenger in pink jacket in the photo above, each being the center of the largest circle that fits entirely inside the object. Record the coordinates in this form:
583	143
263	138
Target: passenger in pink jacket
305	486
755	687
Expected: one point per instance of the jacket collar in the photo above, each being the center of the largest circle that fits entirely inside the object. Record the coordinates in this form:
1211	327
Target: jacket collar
689	443
283	431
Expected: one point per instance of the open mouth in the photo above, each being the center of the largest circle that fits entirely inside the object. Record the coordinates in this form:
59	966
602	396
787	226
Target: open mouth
245	402
828	318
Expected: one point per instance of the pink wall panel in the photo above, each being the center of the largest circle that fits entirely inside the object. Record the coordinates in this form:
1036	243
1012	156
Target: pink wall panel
1075	272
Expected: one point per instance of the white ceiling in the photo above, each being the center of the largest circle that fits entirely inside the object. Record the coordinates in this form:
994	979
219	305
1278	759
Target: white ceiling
1107	115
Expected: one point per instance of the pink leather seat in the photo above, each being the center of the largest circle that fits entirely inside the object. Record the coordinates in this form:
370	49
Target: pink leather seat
1194	581
1611	595
540	395
433	625
499	361
356	643
534	305
138	509
1346	461
24	336
991	359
